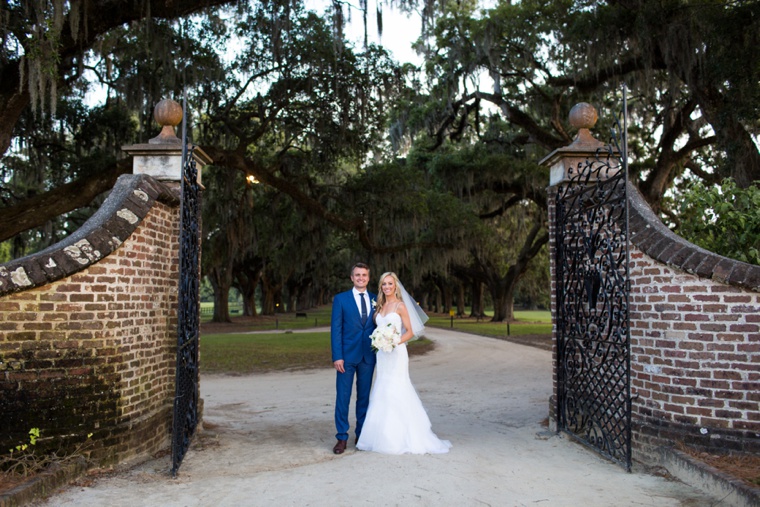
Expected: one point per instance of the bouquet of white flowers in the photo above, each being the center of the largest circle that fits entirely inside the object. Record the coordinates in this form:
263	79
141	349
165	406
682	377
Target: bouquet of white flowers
385	338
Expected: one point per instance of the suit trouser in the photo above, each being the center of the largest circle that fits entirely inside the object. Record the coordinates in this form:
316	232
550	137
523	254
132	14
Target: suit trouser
344	384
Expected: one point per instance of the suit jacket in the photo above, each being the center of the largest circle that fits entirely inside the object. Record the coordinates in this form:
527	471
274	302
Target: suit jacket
349	338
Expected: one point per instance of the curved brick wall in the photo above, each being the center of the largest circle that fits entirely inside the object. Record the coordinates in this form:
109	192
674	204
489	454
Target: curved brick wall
129	202
653	238
695	342
88	329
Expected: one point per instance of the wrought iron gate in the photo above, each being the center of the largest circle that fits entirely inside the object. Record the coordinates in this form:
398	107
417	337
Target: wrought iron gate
593	338
188	314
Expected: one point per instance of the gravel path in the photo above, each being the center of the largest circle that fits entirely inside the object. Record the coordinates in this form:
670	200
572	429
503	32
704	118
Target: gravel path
267	440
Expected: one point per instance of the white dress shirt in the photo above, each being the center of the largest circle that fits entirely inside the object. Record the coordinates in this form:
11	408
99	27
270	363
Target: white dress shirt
358	301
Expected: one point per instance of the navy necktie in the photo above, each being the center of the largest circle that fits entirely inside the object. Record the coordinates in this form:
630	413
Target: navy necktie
364	308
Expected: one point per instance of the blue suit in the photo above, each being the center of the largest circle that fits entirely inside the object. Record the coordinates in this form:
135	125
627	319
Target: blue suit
351	343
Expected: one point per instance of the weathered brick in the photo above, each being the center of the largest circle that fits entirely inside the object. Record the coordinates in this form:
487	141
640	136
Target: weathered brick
714	384
730	337
753	427
744	328
81	298
711	422
9	306
697	317
727	374
738	298
750	349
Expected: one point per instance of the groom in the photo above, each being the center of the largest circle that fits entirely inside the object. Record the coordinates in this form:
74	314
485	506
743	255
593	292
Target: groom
352	354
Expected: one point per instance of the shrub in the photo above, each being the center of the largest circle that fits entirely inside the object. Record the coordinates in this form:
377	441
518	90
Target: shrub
724	219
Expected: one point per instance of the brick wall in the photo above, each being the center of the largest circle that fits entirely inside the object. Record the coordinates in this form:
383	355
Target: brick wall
88	330
552	225
695	342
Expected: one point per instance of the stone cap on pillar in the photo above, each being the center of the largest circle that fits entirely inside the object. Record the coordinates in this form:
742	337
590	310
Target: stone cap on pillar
584	147
161	156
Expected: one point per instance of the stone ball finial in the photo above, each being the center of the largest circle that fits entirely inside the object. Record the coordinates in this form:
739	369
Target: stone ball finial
583	117
168	114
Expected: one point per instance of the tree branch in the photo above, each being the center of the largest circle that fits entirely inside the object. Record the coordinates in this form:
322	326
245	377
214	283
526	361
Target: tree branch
14	93
356	225
37	210
590	82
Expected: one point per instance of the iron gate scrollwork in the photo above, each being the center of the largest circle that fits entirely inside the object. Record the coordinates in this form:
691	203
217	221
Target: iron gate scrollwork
188	314
593	336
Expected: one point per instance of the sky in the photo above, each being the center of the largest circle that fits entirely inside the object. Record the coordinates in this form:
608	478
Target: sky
399	30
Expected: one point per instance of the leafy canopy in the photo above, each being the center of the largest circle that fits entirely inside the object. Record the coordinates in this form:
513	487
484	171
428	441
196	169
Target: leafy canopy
724	219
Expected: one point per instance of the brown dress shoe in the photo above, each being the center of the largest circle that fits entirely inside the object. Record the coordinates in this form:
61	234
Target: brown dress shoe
339	447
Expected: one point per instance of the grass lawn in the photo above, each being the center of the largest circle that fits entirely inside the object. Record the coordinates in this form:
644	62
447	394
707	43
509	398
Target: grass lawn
240	354
230	348
528	322
315	317
255	353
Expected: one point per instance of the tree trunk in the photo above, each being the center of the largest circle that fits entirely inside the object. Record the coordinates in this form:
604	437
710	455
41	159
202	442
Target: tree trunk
424	302
296	299
221	283
247	276
503	294
477	300
448	297
461	304
267	298
249	304
279	306
741	152
290	303
248	292
271	295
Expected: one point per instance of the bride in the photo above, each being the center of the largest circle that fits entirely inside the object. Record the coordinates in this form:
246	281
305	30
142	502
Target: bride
396	421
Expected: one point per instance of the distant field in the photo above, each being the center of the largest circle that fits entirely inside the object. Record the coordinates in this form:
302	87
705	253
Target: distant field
315	317
240	354
256	353
232	348
527	322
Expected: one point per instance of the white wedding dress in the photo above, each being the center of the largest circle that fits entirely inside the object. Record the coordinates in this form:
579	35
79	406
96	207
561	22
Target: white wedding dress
396	421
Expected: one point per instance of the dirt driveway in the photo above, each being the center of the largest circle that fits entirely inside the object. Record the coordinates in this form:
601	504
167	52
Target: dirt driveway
267	441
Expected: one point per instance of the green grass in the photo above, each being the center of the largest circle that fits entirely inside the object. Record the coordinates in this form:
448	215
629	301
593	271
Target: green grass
240	354
528	323
257	353
315	317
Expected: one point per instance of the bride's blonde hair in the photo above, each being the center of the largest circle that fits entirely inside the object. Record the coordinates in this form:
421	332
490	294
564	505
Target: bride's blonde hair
381	295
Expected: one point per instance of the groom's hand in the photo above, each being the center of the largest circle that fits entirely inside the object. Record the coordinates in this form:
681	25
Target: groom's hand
339	365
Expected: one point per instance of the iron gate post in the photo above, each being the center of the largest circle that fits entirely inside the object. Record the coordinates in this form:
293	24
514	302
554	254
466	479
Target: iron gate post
589	255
